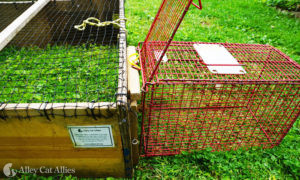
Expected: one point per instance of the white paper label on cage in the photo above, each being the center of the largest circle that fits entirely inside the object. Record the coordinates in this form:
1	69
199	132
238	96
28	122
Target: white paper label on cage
158	54
91	136
215	54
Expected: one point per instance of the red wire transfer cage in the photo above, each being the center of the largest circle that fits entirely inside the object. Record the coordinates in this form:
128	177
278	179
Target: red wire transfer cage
212	95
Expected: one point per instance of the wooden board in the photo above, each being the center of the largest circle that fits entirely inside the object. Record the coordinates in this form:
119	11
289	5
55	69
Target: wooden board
134	131
37	142
122	102
62	109
133	76
134	94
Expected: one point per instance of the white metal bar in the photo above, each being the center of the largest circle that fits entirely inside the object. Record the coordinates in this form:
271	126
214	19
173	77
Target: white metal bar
16	26
27	2
15	2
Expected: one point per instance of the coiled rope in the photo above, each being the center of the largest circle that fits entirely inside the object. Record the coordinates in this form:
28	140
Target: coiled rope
92	21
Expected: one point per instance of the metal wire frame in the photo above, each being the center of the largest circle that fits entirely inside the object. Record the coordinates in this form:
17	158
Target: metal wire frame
164	27
184	61
193	116
49	33
186	107
262	63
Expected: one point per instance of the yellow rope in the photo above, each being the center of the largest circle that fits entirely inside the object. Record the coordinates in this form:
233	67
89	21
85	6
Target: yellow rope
92	21
133	62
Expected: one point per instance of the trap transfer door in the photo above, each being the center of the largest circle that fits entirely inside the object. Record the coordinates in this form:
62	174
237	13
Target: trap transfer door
161	33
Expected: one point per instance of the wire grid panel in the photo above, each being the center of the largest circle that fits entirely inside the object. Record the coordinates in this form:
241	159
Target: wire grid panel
184	117
189	107
11	9
261	63
49	61
163	29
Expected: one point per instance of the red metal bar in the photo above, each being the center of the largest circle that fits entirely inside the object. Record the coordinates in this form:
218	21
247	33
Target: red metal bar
261	127
224	64
198	6
170	40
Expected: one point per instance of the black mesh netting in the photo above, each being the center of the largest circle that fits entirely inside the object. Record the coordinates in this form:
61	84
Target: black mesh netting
49	61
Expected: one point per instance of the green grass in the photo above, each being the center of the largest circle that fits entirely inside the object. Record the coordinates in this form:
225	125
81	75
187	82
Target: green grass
58	74
233	21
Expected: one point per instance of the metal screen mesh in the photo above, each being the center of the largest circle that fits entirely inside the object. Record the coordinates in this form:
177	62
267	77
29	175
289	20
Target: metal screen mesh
182	117
49	61
261	62
186	106
10	10
162	31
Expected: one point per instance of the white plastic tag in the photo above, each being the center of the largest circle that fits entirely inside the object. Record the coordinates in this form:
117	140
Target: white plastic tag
91	136
214	54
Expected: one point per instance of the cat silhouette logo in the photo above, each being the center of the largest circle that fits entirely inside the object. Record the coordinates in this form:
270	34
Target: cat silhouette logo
8	171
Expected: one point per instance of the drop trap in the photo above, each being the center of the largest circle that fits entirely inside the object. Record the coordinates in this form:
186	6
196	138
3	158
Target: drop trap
63	95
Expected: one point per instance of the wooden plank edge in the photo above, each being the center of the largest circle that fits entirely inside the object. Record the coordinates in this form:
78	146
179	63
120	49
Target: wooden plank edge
122	82
134	131
49	110
122	101
134	88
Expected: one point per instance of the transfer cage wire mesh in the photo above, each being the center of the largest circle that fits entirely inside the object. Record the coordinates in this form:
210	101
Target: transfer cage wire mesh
50	64
188	107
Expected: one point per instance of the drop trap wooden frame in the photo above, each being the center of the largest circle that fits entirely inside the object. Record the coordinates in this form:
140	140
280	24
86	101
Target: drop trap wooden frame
36	134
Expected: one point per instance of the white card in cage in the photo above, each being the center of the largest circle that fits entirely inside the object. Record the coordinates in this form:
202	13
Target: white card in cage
158	54
91	136
216	55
